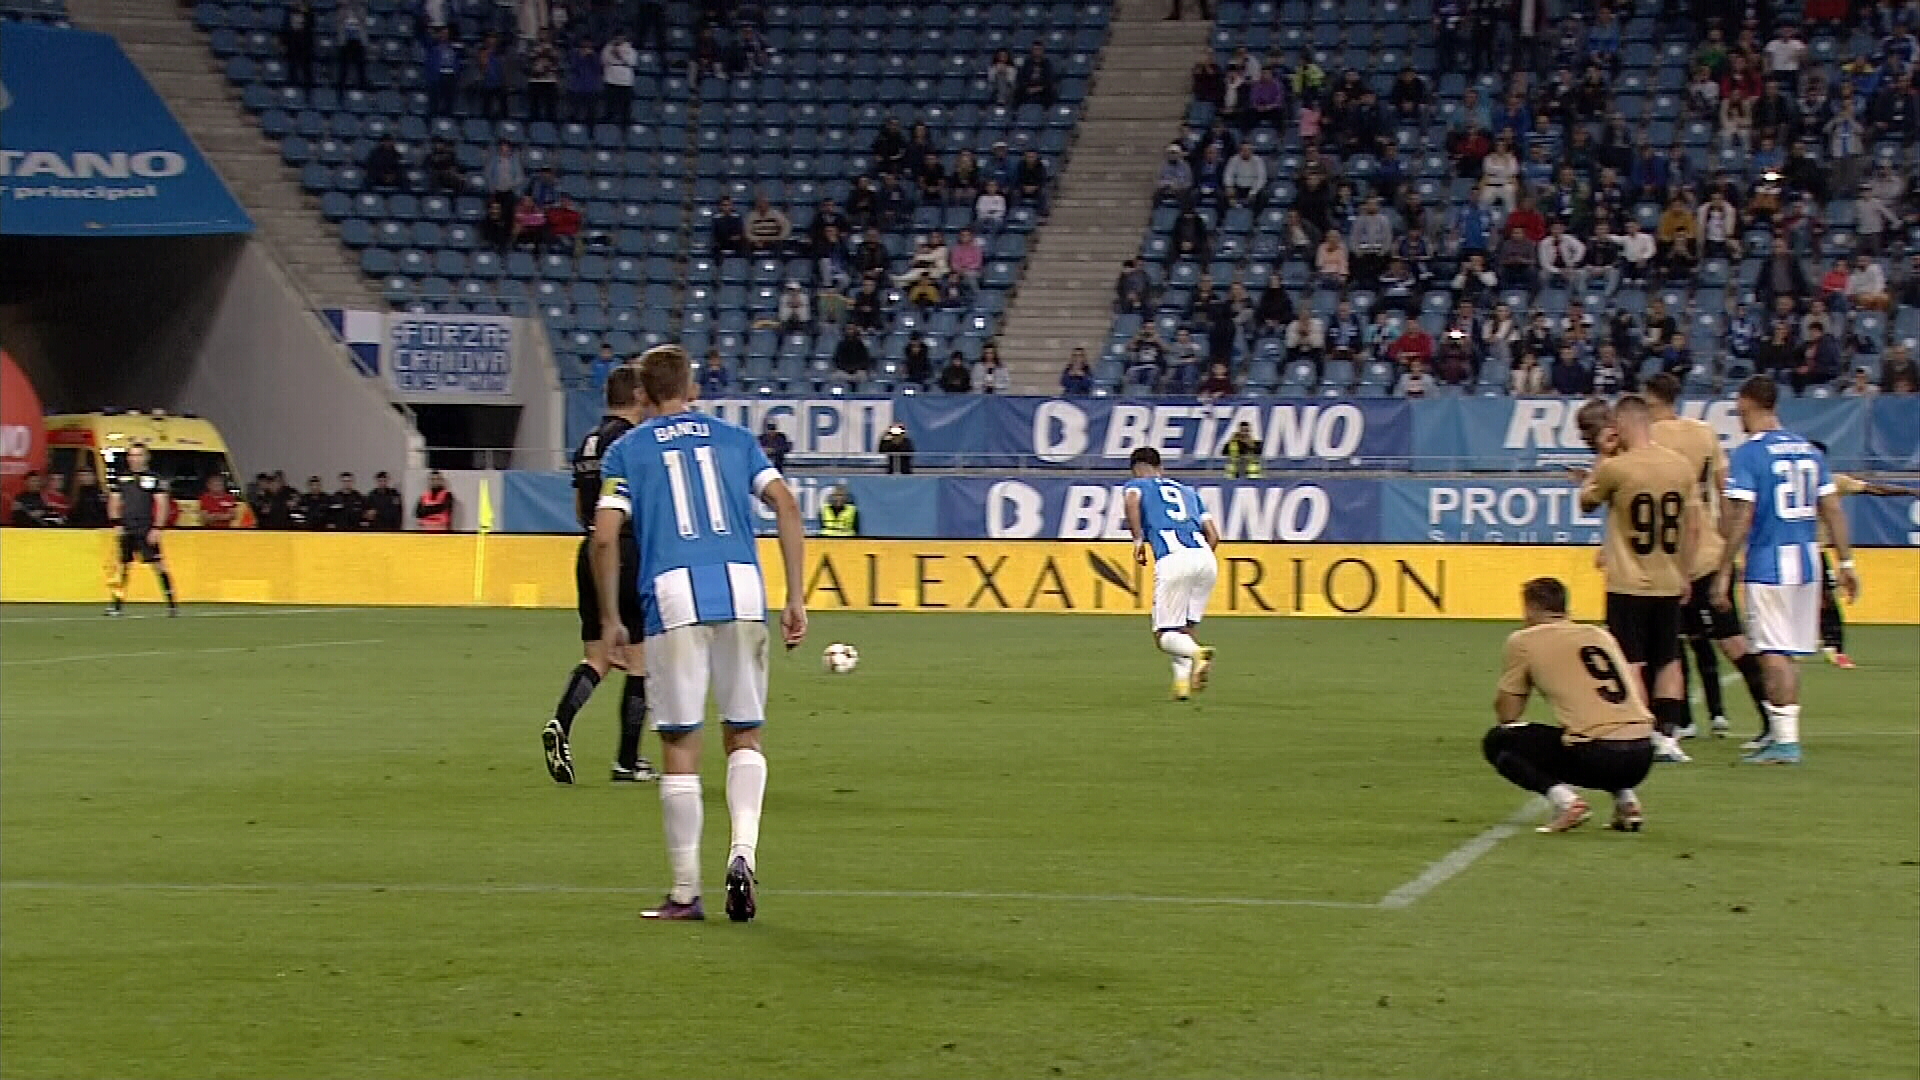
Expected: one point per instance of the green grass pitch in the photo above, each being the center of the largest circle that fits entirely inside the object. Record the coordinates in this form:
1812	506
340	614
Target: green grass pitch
322	844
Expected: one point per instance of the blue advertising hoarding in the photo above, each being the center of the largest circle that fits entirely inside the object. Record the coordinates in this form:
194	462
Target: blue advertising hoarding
983	430
88	149
1325	510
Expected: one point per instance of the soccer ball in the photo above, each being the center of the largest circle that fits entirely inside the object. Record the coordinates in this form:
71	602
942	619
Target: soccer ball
840	659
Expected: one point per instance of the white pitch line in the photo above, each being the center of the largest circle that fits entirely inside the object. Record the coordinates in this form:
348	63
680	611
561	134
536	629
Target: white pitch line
185	613
87	657
487	889
1457	860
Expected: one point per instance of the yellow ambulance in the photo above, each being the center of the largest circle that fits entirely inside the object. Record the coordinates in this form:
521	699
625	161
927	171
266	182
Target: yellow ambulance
185	450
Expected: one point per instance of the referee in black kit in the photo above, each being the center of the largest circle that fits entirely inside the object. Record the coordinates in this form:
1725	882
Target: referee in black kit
624	410
138	504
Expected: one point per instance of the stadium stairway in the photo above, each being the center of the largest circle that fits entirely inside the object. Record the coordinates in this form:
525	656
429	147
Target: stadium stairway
161	39
1139	94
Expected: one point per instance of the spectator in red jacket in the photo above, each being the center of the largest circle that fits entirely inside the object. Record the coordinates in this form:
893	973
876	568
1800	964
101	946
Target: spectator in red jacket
1414	343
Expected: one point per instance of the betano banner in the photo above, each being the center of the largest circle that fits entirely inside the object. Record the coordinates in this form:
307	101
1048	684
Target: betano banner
1284	509
1431	435
88	149
1272	580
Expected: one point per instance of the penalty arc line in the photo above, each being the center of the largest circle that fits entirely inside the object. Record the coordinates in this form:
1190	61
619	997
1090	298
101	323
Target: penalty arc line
88	657
1454	862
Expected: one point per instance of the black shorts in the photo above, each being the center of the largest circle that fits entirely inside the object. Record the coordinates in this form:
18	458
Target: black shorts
1600	764
1647	628
590	595
1700	619
135	544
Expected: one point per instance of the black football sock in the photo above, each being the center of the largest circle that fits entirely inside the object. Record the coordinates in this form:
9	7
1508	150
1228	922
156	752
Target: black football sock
580	687
633	720
166	586
1686	677
1669	714
1749	666
1706	661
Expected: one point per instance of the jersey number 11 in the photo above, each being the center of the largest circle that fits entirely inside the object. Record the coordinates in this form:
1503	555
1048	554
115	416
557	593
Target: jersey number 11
677	480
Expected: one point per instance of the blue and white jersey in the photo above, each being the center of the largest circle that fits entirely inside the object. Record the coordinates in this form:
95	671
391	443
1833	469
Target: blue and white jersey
688	483
1783	476
1171	514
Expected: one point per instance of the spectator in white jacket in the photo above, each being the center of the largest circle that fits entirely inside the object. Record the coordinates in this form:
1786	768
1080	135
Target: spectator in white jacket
1636	253
990	209
1245	176
1563	259
617	61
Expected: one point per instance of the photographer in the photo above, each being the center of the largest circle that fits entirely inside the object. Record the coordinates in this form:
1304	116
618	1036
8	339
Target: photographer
898	446
1243	451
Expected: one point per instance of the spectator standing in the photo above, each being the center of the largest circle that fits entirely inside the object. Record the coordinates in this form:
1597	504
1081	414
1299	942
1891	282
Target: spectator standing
585	88
383	511
1003	79
767	228
543	80
443	74
350	45
1568	376
775	444
617	61
346	507
219	508
434	508
852	358
504	176
385	171
297	36
30	509
1035	83
955	378
1077	378
715	380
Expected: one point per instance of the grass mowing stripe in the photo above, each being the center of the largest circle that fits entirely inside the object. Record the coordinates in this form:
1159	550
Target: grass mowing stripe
87	657
485	888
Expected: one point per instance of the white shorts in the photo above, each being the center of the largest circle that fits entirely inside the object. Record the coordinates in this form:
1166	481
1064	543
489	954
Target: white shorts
1784	618
683	662
1182	585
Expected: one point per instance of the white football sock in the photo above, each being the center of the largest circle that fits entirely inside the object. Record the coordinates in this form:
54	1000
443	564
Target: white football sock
746	790
1784	722
1561	796
1182	667
1178	643
1625	797
682	815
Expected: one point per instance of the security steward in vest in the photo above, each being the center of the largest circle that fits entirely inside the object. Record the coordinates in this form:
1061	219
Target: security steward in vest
139	503
839	517
1243	451
434	508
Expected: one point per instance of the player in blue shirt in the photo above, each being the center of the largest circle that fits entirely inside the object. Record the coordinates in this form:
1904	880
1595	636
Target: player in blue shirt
688	483
1166	517
1779	492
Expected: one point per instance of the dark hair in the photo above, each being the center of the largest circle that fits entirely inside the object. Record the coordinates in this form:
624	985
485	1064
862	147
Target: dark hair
1762	391
665	374
623	385
1815	443
1664	388
1145	455
1547	594
1593	417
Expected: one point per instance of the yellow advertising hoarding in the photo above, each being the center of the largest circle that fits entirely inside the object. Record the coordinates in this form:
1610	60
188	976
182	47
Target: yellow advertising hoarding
1411	581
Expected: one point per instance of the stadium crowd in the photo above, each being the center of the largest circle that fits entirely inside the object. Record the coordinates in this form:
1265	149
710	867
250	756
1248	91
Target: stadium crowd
48	501
1583	212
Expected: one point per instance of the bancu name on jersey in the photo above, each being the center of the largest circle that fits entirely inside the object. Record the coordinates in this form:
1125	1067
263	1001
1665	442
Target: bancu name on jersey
688	485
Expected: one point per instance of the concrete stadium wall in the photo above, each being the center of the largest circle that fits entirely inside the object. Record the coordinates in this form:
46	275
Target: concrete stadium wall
499	570
283	391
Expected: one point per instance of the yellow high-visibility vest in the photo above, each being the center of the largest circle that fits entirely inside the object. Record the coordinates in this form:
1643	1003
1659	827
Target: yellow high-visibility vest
839	522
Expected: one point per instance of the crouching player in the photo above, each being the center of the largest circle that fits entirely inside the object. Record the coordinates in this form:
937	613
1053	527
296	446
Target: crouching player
1166	516
1604	737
